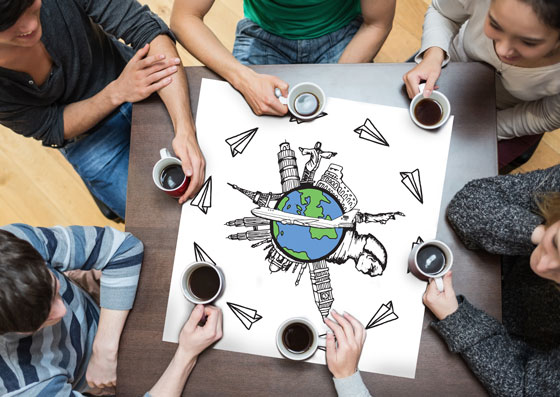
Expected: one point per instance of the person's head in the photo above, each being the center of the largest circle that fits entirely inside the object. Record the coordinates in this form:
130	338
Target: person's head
545	259
29	298
524	30
20	25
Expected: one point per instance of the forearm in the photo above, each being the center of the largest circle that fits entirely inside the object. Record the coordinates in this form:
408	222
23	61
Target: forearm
109	330
529	118
172	381
81	116
201	42
175	96
365	44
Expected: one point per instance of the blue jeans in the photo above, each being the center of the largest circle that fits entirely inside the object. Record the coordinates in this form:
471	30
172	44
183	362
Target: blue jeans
255	46
101	158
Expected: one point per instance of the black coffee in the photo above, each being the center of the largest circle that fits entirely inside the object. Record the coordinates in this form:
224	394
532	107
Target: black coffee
306	104
297	337
172	176
428	112
204	283
430	259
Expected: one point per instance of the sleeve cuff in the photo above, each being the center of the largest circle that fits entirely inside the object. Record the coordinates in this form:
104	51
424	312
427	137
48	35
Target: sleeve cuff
466	327
351	386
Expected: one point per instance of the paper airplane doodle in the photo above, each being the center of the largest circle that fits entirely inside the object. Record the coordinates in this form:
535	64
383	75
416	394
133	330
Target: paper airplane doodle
412	182
203	200
294	118
370	133
419	240
384	314
201	256
239	142
246	315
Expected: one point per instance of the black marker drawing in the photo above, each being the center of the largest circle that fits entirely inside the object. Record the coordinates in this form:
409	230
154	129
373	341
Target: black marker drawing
294	118
412	182
312	224
201	256
316	154
419	240
383	315
321	347
203	200
239	142
369	132
246	315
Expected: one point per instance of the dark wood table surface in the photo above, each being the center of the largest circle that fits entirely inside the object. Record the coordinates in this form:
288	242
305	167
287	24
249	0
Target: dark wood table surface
154	218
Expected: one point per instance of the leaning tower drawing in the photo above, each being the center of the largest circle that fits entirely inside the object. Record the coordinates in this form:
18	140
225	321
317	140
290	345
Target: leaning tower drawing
289	174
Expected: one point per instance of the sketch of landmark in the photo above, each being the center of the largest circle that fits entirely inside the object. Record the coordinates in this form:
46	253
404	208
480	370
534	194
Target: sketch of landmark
239	142
203	200
383	315
246	315
369	132
316	154
324	209
201	256
419	240
294	118
412	182
331	181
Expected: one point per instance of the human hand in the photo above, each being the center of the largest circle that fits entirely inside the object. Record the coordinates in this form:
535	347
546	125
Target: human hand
442	304
545	258
195	338
102	368
143	75
343	354
258	90
186	148
428	70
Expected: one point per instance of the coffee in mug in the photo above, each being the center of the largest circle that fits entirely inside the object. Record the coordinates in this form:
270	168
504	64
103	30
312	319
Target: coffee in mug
297	337
305	101
306	104
431	259
202	282
172	176
428	112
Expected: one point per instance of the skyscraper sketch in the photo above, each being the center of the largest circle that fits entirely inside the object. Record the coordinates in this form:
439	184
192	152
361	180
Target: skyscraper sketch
322	290
259	198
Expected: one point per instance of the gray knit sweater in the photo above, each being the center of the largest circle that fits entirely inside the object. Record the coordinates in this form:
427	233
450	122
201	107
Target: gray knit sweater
520	357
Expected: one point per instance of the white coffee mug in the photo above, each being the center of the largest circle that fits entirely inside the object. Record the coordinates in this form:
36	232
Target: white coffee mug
422	272
187	288
298	100
311	347
436	96
167	160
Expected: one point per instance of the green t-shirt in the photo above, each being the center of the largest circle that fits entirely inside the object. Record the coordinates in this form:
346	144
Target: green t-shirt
301	19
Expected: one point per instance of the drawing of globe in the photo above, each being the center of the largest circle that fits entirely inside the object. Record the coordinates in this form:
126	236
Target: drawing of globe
304	243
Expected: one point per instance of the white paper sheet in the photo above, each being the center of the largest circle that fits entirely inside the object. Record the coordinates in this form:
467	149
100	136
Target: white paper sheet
387	162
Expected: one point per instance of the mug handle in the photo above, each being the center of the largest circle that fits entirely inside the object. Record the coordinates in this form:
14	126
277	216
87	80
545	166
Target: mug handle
278	93
163	153
439	283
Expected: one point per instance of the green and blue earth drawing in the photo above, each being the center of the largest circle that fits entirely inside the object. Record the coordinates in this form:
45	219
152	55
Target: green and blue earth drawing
305	243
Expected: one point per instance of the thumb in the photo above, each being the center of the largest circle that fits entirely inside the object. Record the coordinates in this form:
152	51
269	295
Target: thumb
283	86
331	346
194	319
141	53
430	83
448	282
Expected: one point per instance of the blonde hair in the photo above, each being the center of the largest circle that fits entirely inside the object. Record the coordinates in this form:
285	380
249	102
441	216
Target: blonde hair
549	207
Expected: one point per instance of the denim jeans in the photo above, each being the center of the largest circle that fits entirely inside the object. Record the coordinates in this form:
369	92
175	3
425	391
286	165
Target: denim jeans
255	46
101	158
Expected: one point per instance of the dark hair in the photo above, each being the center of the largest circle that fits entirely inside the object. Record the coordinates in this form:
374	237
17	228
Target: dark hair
11	10
548	11
26	286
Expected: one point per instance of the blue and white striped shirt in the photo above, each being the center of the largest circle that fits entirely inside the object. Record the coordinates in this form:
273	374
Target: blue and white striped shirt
53	361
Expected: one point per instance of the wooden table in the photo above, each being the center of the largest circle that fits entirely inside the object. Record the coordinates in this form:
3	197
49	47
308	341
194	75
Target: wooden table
154	218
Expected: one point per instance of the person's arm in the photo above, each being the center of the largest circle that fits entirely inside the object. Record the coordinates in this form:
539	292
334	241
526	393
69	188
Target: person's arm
442	22
192	341
506	367
499	214
529	118
258	89
343	354
378	21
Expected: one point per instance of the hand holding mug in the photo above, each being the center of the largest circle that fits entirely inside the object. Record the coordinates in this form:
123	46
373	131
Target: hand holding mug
258	90
441	303
428	70
343	354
